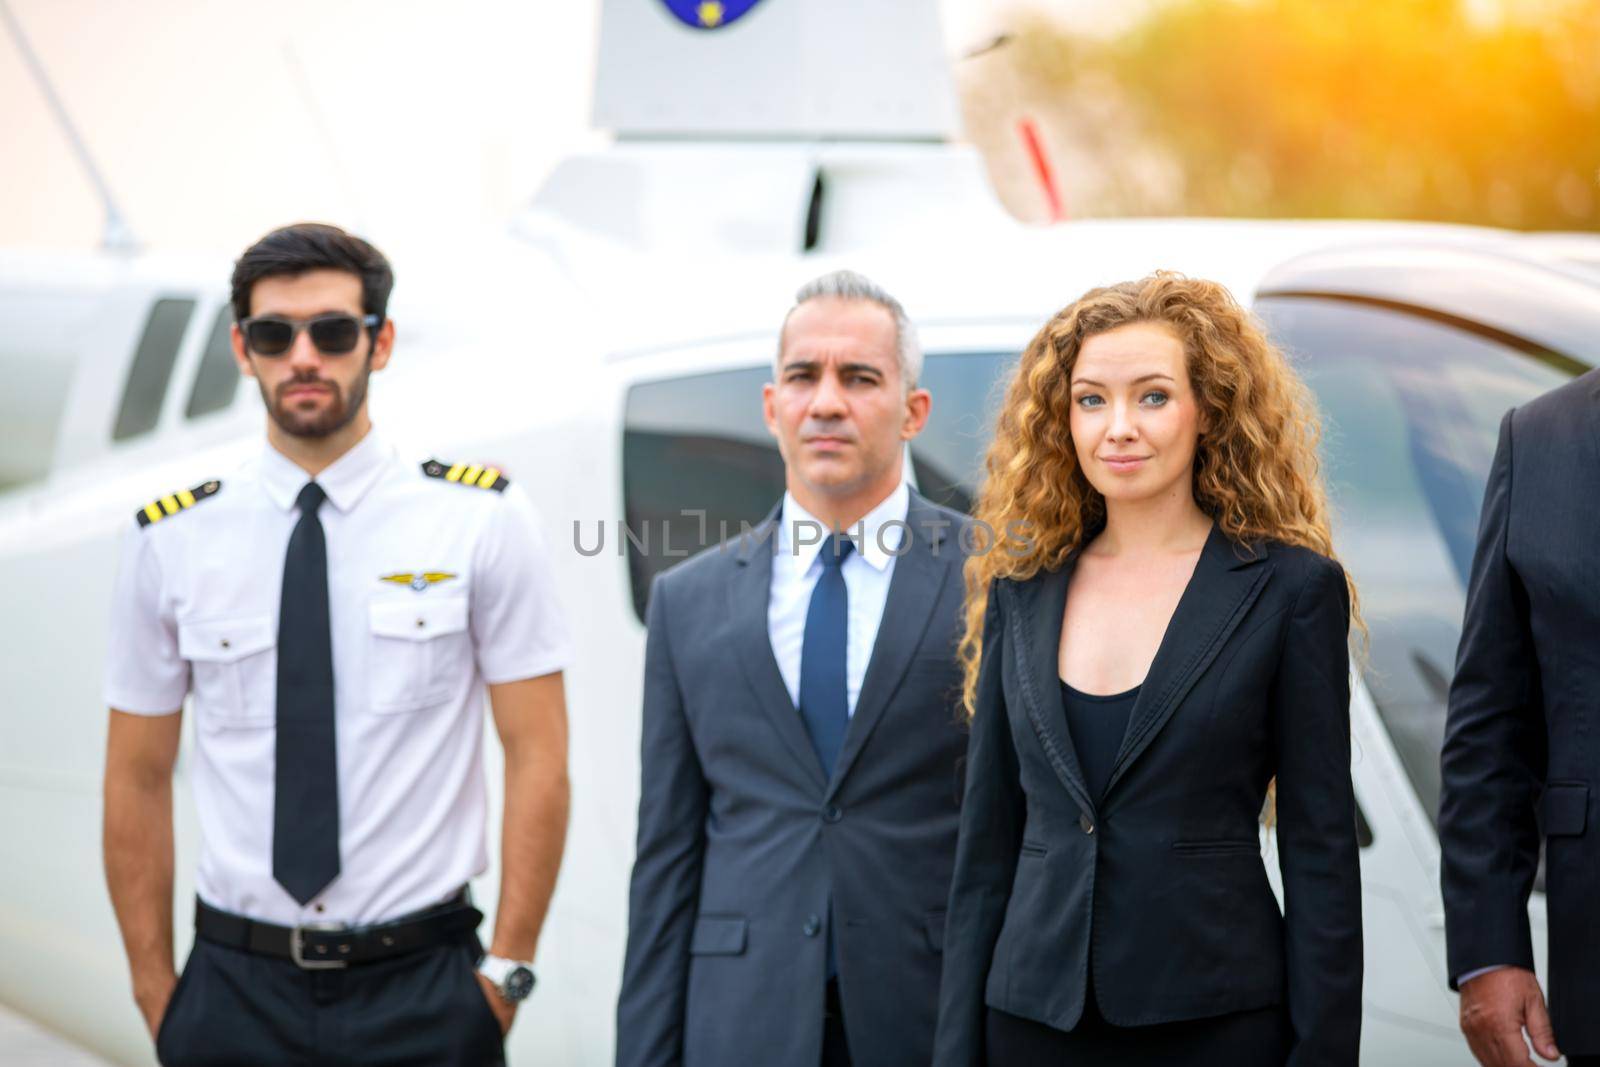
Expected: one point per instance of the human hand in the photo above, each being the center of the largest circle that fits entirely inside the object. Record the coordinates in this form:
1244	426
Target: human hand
504	1010
1495	1008
152	995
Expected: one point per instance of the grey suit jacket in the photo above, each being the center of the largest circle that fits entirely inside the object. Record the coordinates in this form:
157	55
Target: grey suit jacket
747	854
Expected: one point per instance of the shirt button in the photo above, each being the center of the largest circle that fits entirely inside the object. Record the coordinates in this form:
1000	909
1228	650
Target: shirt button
813	926
1085	825
318	908
831	813
421	624
226	643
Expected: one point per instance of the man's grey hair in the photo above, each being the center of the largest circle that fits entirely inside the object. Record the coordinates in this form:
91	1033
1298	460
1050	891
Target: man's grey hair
848	285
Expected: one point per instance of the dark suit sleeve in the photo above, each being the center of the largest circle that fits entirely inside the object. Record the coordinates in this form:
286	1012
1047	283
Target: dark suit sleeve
1317	848
663	896
992	817
1493	760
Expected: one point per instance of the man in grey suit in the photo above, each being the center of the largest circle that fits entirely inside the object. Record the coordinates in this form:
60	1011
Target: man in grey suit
801	746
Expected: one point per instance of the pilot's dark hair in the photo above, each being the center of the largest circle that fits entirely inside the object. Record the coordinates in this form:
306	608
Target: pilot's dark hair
313	246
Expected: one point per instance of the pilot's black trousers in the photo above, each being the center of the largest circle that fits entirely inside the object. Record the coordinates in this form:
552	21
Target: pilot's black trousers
237	1009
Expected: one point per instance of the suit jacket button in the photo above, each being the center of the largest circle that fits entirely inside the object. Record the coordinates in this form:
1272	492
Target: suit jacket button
1085	825
831	813
813	926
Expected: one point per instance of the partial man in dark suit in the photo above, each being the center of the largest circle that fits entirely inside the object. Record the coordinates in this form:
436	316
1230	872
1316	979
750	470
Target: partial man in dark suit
798	808
1522	743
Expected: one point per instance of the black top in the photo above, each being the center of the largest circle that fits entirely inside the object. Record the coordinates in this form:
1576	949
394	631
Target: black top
1097	724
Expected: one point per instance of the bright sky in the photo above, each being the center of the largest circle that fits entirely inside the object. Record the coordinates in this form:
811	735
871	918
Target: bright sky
215	121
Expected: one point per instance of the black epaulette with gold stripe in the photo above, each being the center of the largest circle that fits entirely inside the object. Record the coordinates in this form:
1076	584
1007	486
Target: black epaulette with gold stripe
173	503
473	474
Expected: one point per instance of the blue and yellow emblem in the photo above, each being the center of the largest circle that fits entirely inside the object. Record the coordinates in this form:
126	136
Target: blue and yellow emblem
417	580
709	14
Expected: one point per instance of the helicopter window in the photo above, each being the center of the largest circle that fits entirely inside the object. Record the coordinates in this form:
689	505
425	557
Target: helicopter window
694	444
947	457
146	387
218	377
698	443
1411	412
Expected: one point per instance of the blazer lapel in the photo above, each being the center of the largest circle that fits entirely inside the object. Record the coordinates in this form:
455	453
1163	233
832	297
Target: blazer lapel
1227	579
919	575
748	595
1034	632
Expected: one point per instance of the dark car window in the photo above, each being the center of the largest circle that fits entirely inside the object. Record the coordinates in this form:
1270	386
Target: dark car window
1411	413
146	388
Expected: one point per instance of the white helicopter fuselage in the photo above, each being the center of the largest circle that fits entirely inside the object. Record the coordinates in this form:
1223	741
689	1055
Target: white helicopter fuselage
523	349
555	349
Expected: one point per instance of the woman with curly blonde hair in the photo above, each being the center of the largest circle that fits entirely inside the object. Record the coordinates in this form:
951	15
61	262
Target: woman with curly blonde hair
1158	632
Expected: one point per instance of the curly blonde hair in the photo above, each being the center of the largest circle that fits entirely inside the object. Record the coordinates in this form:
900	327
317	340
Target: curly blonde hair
1256	471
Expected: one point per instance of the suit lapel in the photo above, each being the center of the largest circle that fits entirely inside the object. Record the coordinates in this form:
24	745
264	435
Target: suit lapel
748	596
919	574
1034	632
1226	581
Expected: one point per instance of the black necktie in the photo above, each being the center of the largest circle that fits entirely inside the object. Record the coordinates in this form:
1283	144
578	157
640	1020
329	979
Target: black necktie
305	818
824	693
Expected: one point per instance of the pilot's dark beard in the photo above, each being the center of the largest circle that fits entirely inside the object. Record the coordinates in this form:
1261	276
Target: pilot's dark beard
335	417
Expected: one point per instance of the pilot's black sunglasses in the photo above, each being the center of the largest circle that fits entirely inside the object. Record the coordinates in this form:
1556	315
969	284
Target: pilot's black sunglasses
335	334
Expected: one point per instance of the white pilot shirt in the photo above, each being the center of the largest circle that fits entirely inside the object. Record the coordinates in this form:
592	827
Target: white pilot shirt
435	588
867	570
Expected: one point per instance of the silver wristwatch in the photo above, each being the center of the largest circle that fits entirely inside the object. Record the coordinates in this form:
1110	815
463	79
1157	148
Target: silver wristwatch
513	978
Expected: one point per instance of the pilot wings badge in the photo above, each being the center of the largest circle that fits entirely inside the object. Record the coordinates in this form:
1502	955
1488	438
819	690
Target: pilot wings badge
420	581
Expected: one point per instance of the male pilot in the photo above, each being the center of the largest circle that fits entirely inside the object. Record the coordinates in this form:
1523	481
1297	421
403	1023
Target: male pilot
798	809
1521	758
334	612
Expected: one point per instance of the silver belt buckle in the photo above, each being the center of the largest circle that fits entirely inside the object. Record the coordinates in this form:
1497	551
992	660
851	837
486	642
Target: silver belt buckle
297	947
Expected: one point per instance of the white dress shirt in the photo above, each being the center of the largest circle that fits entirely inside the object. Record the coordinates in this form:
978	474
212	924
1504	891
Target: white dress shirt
797	565
434	589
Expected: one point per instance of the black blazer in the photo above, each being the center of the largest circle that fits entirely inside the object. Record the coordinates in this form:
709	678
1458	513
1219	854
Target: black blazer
1522	741
1164	877
744	843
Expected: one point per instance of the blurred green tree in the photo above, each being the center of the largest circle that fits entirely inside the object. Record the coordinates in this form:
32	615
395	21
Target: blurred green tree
1420	109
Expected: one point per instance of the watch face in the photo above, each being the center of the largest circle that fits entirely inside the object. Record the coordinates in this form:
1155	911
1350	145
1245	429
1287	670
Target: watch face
518	984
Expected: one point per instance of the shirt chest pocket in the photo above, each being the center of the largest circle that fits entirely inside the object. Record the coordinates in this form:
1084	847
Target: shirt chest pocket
419	652
234	664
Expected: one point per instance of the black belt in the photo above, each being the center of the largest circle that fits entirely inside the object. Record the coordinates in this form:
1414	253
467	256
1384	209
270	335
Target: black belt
334	946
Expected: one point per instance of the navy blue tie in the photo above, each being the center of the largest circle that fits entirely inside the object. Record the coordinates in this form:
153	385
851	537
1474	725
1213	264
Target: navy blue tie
305	817
824	699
